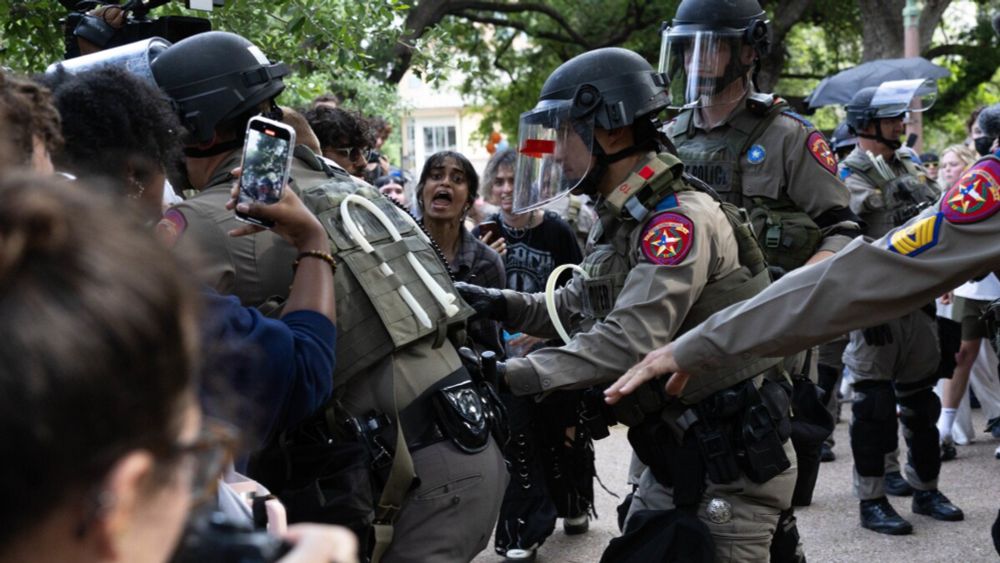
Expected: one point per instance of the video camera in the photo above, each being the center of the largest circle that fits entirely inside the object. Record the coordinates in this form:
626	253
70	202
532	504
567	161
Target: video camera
81	24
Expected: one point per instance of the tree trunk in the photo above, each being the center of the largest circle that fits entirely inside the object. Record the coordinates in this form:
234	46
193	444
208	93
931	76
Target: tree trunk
787	13
882	26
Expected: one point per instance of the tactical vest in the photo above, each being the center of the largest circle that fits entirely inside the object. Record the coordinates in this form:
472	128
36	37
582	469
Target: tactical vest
904	196
379	289
615	237
787	235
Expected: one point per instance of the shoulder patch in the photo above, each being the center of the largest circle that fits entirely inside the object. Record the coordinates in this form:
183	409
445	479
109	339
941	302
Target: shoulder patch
799	118
916	238
976	196
820	149
756	154
667	238
844	173
171	227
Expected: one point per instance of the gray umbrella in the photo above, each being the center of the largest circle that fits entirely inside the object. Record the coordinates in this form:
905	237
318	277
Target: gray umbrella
841	87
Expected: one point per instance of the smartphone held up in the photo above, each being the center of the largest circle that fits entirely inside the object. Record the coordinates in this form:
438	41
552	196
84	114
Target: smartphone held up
267	161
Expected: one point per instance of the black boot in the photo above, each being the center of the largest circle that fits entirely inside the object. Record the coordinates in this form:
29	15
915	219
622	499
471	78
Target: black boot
896	486
826	453
879	516
936	505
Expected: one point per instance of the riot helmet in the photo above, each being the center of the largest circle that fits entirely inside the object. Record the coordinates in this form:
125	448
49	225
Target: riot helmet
889	100
215	77
600	89
702	50
843	140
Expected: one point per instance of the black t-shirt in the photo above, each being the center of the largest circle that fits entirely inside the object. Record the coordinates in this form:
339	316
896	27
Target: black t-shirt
532	254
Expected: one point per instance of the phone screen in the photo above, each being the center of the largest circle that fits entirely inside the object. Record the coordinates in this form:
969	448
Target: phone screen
266	162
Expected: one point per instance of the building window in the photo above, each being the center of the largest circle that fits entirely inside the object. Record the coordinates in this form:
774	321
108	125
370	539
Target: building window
439	138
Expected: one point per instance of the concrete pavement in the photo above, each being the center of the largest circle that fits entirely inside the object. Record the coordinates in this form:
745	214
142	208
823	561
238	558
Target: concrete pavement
830	526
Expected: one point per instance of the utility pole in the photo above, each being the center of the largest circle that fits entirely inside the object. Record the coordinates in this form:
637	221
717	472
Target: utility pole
911	48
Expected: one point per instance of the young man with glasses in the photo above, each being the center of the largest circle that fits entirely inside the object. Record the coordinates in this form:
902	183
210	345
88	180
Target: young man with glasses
345	136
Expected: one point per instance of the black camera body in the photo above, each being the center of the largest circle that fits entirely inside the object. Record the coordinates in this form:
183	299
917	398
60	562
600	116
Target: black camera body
138	25
215	537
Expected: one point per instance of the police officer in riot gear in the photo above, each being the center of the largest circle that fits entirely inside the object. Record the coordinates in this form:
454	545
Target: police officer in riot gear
662	255
759	155
406	419
895	362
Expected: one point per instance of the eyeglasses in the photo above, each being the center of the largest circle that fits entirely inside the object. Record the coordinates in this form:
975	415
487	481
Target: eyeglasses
210	454
354	153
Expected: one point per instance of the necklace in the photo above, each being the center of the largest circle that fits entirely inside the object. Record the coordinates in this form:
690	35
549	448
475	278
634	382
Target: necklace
517	233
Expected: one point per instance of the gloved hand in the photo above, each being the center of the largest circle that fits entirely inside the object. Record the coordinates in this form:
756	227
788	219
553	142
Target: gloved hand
878	335
488	302
777	272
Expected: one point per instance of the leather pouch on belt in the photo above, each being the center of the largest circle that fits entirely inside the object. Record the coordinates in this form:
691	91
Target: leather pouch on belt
460	413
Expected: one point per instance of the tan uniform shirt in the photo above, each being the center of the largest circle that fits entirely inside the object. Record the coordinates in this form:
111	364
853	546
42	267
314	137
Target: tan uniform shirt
865	284
794	163
647	314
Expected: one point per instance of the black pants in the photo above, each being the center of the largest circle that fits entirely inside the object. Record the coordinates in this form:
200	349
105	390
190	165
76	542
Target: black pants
552	476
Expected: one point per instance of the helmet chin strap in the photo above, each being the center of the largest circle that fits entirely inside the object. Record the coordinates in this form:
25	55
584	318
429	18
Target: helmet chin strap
892	144
590	183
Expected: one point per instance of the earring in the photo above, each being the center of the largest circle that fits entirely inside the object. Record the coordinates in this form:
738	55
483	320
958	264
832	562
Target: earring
137	188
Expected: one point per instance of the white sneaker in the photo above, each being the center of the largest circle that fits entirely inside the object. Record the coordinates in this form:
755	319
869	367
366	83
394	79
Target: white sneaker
526	555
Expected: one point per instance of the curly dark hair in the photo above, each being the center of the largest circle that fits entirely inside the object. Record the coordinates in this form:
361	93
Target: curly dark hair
27	111
115	124
339	128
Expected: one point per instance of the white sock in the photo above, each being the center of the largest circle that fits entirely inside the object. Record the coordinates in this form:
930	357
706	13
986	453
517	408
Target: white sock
945	422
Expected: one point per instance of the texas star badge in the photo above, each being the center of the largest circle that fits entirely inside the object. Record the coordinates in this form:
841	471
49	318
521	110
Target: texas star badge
667	238
756	154
916	238
976	196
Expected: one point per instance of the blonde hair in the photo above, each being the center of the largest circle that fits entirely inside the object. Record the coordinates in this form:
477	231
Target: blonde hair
963	152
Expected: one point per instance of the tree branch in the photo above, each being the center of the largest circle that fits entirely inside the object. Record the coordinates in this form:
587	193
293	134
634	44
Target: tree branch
521	7
503	22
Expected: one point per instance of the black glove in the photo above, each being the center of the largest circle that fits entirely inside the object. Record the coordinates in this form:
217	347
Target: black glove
777	272
878	335
501	382
488	302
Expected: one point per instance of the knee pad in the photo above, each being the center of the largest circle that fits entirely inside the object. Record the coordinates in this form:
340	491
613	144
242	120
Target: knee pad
873	430
919	412
919	409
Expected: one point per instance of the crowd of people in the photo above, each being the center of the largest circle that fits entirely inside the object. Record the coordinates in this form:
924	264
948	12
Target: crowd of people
406	365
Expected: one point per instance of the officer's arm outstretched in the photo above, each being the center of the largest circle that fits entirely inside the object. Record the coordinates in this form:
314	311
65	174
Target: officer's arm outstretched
648	312
865	284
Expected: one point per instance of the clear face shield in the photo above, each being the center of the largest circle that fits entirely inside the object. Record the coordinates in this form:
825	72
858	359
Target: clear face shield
897	97
705	68
554	154
136	58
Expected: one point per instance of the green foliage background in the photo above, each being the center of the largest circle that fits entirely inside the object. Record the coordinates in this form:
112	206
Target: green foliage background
506	50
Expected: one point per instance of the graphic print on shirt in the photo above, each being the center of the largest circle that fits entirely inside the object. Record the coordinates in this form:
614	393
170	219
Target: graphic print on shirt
527	267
